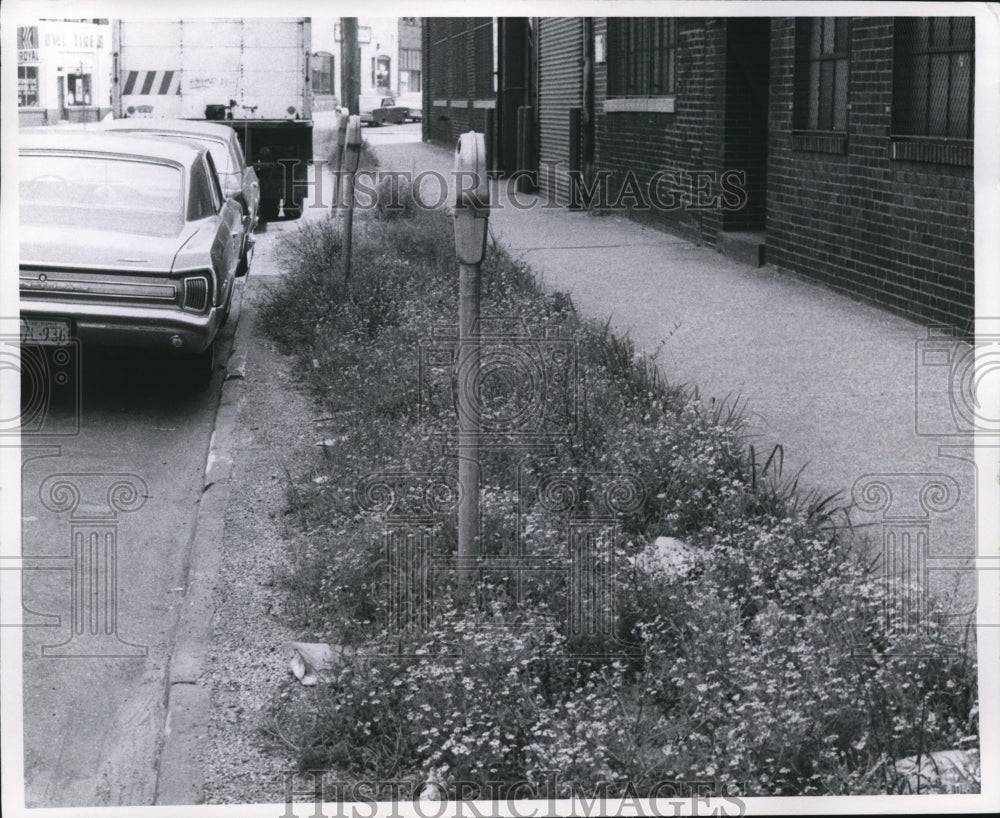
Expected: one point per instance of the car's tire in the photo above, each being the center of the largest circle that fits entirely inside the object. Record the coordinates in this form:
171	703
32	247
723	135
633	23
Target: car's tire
200	368
229	305
243	267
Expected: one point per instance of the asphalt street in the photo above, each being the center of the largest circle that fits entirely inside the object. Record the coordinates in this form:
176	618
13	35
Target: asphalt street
111	480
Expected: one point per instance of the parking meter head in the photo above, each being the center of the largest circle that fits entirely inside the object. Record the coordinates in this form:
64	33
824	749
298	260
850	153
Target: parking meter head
472	198
353	144
342	118
472	187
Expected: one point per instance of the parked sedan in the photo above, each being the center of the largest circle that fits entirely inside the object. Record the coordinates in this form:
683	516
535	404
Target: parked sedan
125	241
413	101
381	110
237	178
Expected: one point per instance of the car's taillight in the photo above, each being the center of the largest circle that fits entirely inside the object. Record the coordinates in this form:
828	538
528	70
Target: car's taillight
196	294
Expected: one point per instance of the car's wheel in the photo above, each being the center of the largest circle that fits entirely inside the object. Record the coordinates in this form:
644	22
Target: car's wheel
200	368
244	264
229	305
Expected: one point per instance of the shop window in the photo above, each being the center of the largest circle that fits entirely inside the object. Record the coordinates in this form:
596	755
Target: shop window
27	86
641	56
78	89
380	71
932	89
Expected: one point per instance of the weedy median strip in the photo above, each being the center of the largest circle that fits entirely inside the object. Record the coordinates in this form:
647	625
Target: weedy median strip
764	664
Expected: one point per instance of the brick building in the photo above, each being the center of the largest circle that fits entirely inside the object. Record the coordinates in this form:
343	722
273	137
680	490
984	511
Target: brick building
459	88
836	148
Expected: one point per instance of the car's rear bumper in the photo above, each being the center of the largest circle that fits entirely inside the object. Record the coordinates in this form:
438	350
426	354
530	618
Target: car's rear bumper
131	326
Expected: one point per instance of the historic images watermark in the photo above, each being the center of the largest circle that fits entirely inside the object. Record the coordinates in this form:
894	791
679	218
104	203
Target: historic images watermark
93	503
665	190
956	401
525	394
330	797
50	384
957	383
48	362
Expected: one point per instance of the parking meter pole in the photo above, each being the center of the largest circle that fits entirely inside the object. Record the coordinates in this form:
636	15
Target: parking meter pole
352	156
338	158
472	204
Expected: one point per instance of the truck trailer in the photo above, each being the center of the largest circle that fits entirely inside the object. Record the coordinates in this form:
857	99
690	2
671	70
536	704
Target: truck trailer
251	74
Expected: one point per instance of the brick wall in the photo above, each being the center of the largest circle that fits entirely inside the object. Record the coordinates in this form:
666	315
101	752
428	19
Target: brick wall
686	141
458	70
898	233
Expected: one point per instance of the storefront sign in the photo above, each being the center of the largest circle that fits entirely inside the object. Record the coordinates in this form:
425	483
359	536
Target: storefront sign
27	44
72	36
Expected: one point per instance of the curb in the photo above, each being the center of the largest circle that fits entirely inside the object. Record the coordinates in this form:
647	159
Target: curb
180	779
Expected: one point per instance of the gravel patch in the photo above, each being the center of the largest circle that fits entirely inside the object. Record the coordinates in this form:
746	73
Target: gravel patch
247	668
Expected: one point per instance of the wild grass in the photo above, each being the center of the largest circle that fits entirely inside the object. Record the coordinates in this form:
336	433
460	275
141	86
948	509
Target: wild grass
765	666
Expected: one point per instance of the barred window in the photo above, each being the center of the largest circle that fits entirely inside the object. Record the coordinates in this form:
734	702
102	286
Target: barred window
821	68
641	56
409	59
933	77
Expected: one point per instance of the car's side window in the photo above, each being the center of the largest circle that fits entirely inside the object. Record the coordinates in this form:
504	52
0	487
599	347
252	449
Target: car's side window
217	195
203	201
238	159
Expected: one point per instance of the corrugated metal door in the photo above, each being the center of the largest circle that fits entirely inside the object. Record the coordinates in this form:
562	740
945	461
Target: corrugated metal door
560	88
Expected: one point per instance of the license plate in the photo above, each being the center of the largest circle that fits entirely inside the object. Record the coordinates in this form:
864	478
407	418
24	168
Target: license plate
51	332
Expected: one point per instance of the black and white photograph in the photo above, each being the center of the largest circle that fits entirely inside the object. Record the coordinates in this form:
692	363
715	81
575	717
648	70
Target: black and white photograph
521	415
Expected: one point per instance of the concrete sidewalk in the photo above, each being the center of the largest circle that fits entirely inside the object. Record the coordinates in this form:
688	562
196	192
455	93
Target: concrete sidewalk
831	379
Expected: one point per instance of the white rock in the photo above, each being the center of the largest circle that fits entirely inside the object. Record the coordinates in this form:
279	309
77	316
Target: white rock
946	771
308	660
667	556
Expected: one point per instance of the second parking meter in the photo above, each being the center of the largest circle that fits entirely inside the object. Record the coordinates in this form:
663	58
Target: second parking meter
352	157
338	156
352	144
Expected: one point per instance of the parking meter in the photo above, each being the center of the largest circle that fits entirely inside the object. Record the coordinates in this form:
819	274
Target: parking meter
338	156
352	144
472	198
352	157
471	214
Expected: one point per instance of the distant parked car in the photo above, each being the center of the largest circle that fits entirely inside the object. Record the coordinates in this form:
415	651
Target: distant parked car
237	178
125	241
413	101
381	110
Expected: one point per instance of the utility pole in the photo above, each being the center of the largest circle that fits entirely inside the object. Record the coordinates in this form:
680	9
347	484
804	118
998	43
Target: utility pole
350	67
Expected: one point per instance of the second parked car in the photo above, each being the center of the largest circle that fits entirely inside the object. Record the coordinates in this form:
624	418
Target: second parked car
237	178
125	241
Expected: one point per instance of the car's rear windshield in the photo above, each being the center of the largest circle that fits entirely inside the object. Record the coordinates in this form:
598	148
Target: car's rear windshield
113	193
219	150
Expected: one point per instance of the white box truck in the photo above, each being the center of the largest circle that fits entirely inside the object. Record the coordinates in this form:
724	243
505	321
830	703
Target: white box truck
252	74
